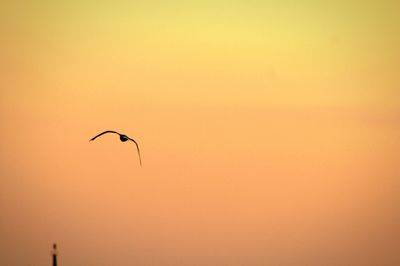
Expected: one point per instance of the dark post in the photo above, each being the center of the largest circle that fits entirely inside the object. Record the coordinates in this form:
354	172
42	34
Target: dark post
54	254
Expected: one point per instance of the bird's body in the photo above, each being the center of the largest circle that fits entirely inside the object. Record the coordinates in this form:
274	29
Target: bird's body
122	138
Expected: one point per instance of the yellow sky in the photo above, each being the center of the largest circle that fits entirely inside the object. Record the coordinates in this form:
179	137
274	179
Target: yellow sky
269	132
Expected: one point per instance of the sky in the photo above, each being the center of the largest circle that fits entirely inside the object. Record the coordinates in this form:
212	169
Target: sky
269	131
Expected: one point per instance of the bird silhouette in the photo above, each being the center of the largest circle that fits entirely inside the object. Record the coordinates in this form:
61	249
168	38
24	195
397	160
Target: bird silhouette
123	138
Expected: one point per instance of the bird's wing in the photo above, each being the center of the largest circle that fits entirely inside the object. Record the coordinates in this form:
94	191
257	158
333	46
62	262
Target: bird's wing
138	150
105	132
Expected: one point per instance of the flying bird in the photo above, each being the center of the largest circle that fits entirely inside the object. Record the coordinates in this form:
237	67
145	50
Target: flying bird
123	138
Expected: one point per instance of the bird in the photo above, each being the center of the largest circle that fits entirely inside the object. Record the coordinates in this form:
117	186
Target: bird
122	138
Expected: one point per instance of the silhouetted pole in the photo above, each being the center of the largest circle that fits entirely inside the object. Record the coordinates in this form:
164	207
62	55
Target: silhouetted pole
54	254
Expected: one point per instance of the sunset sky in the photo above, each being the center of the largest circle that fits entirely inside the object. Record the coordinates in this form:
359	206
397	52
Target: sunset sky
269	131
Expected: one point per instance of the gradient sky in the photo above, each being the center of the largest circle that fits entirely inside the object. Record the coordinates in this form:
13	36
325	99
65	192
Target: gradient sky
270	132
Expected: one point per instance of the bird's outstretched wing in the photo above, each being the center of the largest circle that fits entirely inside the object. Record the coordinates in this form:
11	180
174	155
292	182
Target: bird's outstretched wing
138	150
105	132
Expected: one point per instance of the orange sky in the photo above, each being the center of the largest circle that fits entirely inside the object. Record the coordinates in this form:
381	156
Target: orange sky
269	133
